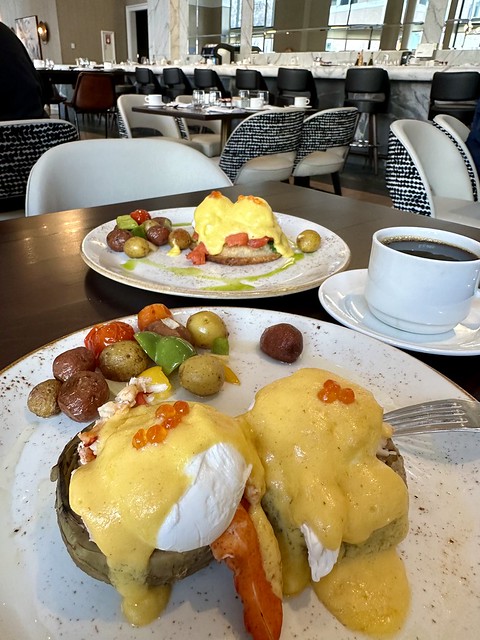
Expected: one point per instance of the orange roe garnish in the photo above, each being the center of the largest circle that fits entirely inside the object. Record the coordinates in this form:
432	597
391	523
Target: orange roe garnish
169	417
139	440
332	391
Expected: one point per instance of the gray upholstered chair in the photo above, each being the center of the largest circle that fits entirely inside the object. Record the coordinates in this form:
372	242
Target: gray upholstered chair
22	142
263	146
324	145
425	174
90	173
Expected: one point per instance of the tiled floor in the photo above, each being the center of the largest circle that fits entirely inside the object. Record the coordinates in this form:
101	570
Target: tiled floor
357	179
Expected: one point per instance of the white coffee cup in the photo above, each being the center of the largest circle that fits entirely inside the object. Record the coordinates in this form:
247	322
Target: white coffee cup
256	103
419	294
154	100
301	101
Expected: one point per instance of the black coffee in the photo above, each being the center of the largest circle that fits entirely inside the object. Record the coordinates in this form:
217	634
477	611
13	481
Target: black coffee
432	249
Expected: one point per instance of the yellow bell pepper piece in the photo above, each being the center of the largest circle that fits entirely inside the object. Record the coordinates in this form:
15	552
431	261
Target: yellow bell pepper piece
157	376
230	376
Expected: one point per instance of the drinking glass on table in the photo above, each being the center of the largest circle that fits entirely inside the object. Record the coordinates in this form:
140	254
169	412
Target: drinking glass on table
198	98
244	95
214	98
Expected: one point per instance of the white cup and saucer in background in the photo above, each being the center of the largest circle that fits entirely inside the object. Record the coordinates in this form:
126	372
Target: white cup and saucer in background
154	100
301	101
258	99
422	280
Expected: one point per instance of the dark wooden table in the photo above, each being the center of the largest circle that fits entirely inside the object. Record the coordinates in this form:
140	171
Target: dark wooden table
47	291
226	117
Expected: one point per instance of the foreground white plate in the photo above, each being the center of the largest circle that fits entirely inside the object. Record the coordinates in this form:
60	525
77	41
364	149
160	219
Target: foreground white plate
44	595
342	296
177	275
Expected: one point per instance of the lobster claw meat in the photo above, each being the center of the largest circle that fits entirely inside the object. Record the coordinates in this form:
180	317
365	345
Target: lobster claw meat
239	548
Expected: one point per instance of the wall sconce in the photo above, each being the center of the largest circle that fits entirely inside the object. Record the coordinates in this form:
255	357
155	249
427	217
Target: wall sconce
42	31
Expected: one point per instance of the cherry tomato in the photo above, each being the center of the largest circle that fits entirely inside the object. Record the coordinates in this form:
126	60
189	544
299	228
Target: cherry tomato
257	243
150	313
140	215
101	335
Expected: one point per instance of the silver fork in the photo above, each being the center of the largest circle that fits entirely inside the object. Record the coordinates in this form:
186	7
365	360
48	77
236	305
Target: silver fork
436	415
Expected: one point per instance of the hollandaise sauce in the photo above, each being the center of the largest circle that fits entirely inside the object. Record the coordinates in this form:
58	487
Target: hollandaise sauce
217	217
124	495
323	478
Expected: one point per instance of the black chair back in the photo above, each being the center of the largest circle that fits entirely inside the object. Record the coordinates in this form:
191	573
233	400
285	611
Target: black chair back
176	83
454	93
146	81
295	82
250	79
209	79
368	89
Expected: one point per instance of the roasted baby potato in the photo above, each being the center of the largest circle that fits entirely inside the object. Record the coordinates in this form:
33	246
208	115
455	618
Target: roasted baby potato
205	327
123	360
42	400
202	375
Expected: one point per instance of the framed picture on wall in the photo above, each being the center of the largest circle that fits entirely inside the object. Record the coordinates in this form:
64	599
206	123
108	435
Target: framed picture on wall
26	30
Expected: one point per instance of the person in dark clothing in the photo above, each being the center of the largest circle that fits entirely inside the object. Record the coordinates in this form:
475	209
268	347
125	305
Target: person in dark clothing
473	140
20	89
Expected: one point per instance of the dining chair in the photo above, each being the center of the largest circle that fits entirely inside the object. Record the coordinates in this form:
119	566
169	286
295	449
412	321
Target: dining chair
94	93
458	132
295	82
134	124
324	145
454	93
368	89
90	173
426	174
22	143
263	146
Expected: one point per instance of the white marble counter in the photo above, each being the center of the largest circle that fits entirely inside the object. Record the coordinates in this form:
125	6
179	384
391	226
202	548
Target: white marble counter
410	73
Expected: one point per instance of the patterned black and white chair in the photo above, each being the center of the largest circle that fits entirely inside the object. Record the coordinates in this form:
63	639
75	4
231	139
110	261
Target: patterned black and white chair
324	145
90	173
263	147
22	142
426	174
458	132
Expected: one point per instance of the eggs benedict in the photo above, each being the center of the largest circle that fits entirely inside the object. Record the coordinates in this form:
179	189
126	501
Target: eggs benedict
337	509
240	233
146	496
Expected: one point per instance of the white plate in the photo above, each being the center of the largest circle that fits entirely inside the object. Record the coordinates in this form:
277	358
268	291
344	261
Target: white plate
176	275
342	296
44	595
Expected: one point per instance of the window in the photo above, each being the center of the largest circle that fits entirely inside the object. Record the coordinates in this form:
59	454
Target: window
357	24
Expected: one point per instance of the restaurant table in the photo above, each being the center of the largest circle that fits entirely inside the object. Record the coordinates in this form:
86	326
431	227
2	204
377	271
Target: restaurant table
226	117
47	291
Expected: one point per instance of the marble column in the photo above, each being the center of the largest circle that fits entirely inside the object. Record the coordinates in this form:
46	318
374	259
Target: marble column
246	29
435	21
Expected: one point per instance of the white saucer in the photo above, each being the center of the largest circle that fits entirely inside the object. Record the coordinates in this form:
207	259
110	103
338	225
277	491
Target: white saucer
342	296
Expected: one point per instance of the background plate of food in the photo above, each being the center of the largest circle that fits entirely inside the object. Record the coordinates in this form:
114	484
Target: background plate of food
44	594
239	270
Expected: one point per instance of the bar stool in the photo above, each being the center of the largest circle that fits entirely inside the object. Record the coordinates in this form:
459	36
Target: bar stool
209	79
176	83
146	81
295	82
368	89
250	79
454	94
